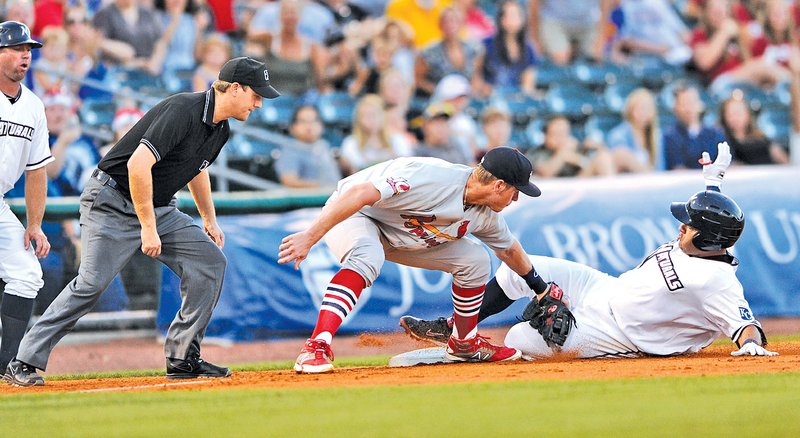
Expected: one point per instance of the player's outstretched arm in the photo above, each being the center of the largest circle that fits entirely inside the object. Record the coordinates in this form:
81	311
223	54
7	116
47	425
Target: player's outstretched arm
714	171
295	247
750	343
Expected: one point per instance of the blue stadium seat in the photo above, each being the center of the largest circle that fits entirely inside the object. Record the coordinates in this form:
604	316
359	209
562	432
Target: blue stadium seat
597	127
753	94
574	101
616	94
654	72
596	75
278	112
178	81
775	124
521	106
336	108
549	74
140	81
97	113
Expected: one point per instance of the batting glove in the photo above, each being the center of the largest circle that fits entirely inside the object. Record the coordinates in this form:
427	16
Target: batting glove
714	171
753	349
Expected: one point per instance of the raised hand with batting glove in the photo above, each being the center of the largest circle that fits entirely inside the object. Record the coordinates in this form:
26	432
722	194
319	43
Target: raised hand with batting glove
550	316
714	171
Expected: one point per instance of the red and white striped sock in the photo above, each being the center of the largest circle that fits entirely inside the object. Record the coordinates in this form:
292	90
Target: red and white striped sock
339	300
467	303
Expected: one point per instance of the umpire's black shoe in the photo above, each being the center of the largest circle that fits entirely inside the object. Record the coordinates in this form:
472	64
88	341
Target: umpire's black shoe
194	367
437	331
21	374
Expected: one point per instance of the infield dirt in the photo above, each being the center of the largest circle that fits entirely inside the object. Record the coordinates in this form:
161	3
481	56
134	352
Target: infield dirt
146	354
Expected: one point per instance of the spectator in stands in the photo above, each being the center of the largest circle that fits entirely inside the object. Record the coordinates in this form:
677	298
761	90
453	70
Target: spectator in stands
368	75
437	140
397	124
794	89
400	36
184	22
22	11
636	144
496	128
455	91
49	69
344	12
295	61
371	140
342	62
215	52
450	55
774	37
86	46
748	144
477	24
651	27
718	52
421	16
508	60
314	21
395	90
49	13
556	24
308	161
562	155
688	138
130	24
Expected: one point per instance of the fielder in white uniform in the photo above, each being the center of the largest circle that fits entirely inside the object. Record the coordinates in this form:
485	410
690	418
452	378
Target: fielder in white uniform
23	148
678	300
416	212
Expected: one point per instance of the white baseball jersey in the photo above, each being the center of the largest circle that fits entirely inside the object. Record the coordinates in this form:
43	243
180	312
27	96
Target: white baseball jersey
23	146
670	304
23	137
422	204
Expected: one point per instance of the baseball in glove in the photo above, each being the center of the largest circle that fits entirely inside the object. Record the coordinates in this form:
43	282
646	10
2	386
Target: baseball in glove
550	316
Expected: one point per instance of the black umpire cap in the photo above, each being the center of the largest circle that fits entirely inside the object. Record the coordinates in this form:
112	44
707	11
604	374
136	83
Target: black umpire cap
250	72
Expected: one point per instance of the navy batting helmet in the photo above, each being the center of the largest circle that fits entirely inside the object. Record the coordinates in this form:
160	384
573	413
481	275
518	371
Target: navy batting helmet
716	217
14	33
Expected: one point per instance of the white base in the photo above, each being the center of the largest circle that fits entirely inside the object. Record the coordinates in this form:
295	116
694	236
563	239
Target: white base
424	356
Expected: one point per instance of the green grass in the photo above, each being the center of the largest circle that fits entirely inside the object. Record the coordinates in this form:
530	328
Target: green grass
744	405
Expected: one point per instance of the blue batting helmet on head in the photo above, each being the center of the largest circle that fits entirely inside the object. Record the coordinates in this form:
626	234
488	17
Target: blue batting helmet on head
717	217
14	33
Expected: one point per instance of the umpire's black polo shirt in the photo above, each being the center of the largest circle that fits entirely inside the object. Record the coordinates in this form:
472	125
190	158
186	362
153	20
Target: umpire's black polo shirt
181	134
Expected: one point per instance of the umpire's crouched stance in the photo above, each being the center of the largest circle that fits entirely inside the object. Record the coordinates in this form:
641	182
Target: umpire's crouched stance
129	203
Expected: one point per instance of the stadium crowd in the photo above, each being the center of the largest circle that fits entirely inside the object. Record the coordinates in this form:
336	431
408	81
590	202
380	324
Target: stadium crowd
583	87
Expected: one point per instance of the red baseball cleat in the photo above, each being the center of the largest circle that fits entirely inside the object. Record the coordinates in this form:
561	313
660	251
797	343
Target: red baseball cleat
314	357
478	349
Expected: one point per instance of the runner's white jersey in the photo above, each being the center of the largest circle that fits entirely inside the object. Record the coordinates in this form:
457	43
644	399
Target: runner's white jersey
422	204
23	138
673	303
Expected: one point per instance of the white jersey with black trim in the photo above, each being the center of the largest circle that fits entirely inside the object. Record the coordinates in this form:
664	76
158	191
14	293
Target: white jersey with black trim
23	138
673	303
422	204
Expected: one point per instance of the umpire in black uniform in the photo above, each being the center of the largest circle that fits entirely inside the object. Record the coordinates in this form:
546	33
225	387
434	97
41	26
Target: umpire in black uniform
130	203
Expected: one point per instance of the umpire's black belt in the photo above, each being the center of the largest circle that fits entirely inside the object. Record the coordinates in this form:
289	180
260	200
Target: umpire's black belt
104	178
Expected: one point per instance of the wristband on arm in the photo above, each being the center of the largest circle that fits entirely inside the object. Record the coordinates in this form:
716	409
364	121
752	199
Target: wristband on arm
534	281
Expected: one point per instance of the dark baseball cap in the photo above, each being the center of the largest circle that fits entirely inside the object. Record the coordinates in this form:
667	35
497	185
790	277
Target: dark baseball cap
509	165
250	72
